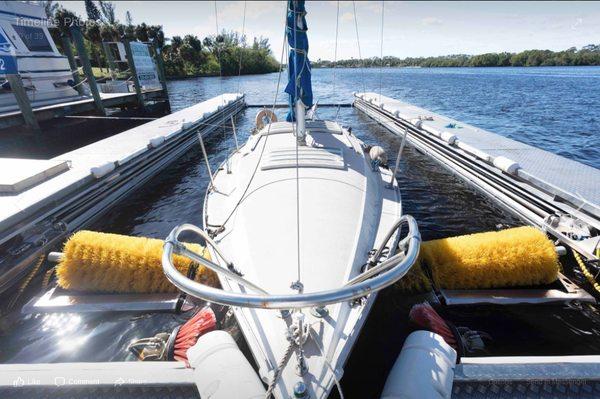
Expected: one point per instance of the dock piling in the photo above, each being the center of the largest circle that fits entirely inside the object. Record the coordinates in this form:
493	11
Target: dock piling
132	69
16	85
87	67
161	67
112	66
72	64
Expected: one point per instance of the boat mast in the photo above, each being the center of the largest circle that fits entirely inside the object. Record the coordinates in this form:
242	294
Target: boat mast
299	87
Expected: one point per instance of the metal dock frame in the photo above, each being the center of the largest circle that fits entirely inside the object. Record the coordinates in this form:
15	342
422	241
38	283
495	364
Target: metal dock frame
75	210
521	197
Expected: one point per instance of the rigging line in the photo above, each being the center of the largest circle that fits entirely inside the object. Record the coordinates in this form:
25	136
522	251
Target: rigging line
241	49
243	196
296	89
220	69
381	49
362	66
337	23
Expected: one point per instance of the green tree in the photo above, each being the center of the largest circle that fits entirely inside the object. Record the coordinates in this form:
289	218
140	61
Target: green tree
92	10
128	18
108	11
50	7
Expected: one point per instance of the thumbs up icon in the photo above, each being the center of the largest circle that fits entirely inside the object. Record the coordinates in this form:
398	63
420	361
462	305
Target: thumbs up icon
19	382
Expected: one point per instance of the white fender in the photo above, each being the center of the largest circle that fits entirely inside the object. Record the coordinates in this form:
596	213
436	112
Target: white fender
507	165
221	371
416	122
377	153
156	141
424	369
102	170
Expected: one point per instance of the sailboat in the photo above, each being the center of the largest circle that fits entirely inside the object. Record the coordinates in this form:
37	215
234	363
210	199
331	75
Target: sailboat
304	226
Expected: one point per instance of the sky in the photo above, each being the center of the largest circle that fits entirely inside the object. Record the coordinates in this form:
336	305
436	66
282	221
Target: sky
410	29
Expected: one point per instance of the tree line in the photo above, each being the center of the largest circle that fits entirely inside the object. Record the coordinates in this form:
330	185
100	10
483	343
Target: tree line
182	57
587	55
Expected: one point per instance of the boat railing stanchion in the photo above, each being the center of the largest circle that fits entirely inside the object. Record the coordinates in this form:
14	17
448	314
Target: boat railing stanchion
383	275
205	155
402	143
237	146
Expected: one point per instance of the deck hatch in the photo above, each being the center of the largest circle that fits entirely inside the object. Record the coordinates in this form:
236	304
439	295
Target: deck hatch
308	157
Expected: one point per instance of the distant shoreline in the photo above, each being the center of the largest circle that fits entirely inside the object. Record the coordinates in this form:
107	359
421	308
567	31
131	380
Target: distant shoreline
586	56
461	66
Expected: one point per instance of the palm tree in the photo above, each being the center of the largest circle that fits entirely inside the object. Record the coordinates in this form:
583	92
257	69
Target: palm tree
92	10
51	7
108	11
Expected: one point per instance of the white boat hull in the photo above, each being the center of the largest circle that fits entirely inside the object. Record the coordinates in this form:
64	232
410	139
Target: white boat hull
315	224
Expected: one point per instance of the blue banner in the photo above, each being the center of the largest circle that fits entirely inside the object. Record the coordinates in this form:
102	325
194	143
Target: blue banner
8	61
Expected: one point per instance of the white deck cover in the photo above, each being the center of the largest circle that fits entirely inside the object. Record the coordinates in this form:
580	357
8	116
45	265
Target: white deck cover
342	205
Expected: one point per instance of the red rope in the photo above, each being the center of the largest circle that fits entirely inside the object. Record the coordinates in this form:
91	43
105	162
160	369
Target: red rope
202	322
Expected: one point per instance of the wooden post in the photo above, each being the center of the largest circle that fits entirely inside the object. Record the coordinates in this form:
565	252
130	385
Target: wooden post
87	67
161	72
111	62
136	81
72	64
16	85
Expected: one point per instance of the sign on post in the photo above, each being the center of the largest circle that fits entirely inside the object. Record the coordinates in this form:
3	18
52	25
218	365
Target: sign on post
144	65
8	61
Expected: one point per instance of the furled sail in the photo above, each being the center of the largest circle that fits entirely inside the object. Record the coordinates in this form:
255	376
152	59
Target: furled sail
299	85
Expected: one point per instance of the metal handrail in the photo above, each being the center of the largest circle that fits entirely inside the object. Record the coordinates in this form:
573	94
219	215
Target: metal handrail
388	272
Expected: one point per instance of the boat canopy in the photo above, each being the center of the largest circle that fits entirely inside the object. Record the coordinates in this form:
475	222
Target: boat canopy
299	85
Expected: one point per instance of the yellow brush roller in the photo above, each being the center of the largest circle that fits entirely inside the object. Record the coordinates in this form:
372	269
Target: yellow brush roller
519	256
514	257
415	281
103	262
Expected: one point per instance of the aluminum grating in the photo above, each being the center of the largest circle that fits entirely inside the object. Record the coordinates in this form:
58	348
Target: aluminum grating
555	389
101	392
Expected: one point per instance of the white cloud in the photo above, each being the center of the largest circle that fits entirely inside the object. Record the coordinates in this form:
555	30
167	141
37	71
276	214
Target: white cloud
347	17
431	21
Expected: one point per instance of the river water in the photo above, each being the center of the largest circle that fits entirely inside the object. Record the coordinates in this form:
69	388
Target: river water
552	108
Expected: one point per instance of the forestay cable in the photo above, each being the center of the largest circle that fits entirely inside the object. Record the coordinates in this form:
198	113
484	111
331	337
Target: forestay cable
337	22
362	66
296	88
381	50
242	48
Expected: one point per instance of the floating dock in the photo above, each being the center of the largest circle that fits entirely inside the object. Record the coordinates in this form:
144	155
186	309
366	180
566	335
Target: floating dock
78	105
43	201
556	194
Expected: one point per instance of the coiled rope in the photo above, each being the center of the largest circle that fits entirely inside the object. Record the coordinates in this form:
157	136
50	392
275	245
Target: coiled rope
585	271
25	283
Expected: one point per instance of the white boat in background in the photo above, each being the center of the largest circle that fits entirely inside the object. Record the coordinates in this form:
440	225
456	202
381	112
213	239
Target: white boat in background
46	74
303	227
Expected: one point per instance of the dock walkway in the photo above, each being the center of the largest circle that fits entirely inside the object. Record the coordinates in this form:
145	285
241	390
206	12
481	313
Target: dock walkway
535	184
76	106
51	201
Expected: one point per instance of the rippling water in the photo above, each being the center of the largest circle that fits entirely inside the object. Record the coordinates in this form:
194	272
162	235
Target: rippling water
552	108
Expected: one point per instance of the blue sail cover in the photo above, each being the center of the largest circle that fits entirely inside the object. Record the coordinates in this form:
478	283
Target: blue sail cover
299	83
